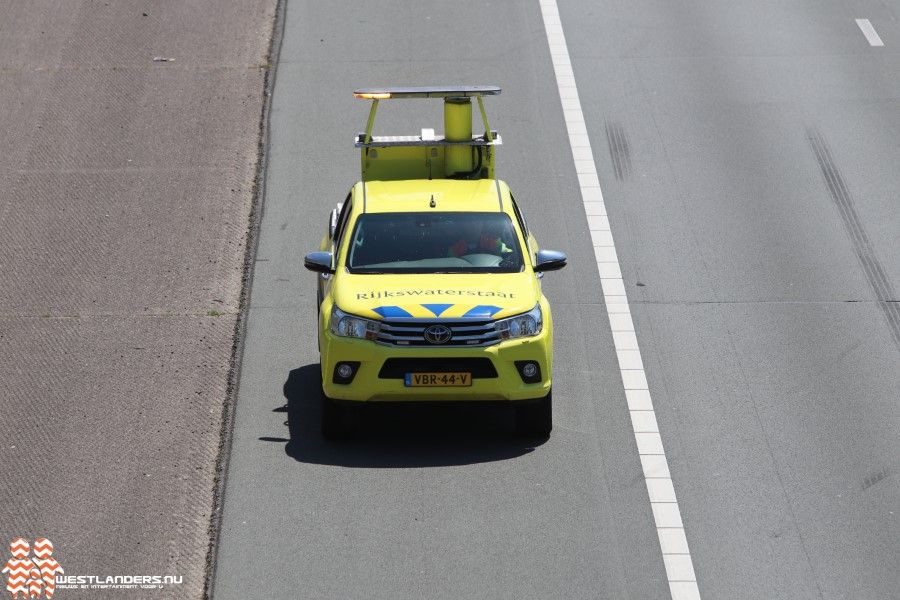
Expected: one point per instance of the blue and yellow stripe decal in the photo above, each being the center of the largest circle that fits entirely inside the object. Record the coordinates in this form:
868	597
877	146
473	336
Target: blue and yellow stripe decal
431	311
390	312
482	311
436	309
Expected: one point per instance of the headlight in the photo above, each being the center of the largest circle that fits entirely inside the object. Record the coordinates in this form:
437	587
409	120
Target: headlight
346	325
526	325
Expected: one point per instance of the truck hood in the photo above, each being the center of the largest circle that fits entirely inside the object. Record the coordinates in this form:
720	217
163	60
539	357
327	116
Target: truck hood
463	295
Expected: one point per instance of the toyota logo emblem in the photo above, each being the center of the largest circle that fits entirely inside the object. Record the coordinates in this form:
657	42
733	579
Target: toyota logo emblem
437	334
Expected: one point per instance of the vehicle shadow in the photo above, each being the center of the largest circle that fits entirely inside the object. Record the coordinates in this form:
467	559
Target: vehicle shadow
391	436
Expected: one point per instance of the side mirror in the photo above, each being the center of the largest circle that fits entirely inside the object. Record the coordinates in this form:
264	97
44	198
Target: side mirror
319	262
549	260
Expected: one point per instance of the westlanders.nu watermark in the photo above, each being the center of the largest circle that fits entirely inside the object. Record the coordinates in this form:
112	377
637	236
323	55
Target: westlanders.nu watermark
33	572
117	582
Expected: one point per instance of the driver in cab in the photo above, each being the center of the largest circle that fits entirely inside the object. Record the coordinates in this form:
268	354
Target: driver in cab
474	239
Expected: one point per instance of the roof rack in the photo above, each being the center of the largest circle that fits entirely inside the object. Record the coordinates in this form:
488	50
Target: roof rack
456	155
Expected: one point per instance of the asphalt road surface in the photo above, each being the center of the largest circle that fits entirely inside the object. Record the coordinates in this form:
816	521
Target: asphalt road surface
748	155
125	188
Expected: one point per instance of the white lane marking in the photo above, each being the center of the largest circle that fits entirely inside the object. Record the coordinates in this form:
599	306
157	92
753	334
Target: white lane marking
871	35
657	477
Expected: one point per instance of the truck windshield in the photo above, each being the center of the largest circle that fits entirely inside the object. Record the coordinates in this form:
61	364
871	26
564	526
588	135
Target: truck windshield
434	242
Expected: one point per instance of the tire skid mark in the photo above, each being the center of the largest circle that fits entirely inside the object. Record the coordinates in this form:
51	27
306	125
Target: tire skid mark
862	246
875	478
619	150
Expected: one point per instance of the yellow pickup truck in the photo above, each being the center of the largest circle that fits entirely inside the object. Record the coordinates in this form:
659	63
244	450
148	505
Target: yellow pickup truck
429	279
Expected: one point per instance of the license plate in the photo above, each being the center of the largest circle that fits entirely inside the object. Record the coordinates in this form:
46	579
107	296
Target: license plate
438	380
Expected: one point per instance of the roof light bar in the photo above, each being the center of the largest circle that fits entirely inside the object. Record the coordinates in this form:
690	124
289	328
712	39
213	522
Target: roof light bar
435	91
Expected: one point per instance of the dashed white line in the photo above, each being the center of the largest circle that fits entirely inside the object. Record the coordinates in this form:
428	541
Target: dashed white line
867	30
660	489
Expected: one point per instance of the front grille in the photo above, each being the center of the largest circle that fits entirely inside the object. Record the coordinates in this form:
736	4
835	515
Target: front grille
397	368
464	332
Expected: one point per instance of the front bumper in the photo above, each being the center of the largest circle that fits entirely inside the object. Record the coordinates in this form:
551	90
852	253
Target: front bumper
379	374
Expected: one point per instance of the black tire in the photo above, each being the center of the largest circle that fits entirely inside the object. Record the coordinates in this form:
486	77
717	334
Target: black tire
332	419
535	419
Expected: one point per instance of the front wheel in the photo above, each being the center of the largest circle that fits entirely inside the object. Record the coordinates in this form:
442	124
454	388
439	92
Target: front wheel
535	418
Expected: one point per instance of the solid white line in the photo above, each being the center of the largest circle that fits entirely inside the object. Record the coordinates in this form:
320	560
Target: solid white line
657	477
871	35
